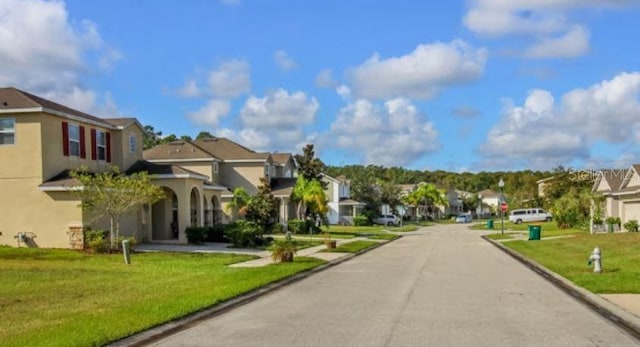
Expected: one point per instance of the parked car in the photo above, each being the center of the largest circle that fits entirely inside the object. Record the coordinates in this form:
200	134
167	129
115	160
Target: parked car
529	215
463	218
387	219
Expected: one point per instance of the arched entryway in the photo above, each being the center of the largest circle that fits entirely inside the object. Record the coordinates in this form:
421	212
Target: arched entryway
164	224
195	207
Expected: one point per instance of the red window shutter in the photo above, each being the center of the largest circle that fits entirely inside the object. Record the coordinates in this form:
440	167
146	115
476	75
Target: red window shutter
83	147
94	145
65	139
108	147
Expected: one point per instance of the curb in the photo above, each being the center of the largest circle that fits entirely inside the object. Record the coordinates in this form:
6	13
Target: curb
613	313
167	329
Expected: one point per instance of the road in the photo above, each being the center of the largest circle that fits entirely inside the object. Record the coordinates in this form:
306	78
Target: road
440	286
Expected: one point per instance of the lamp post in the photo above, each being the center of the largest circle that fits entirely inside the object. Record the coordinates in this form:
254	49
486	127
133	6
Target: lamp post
479	205
501	185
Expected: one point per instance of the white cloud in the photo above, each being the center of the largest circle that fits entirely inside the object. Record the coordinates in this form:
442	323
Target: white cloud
465	111
571	44
231	79
420	74
275	121
540	132
211	113
284	61
547	22
48	55
395	134
324	79
344	92
190	89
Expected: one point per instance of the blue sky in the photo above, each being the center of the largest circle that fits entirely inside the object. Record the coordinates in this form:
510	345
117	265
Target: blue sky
460	86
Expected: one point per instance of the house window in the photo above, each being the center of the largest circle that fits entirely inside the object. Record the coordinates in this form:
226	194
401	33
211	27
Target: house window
215	167
266	169
133	144
7	131
101	145
74	140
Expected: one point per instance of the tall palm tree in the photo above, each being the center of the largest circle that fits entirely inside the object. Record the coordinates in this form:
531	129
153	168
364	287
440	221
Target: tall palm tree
428	196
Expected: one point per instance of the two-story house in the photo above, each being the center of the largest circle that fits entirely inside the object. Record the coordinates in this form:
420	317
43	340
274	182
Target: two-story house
40	142
227	165
342	208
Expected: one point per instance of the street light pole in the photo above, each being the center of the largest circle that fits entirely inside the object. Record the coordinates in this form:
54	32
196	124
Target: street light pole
501	185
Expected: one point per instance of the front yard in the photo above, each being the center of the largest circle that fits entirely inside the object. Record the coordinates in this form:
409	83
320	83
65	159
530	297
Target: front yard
568	257
68	298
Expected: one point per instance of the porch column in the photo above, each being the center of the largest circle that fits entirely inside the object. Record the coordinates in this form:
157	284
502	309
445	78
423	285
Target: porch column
184	215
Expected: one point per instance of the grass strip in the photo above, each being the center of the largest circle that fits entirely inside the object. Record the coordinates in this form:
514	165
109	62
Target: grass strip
352	247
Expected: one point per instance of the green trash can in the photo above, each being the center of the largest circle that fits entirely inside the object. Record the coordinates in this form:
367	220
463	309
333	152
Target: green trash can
534	232
490	224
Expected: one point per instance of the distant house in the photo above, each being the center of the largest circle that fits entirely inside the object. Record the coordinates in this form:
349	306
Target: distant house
542	184
342	208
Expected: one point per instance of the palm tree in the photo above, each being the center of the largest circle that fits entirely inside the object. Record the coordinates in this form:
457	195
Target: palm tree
427	195
310	195
239	202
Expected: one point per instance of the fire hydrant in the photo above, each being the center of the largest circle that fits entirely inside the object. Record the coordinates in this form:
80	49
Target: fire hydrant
596	259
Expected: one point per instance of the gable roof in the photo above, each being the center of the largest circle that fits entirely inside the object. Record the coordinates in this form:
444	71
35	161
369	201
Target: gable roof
281	158
16	99
177	150
228	150
488	193
613	179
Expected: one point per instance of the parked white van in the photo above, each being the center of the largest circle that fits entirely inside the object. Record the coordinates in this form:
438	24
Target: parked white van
529	215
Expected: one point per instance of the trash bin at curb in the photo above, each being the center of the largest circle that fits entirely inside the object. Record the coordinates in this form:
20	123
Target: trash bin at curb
490	224
534	232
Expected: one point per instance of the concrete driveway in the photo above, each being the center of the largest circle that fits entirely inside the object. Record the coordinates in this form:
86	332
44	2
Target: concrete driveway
440	286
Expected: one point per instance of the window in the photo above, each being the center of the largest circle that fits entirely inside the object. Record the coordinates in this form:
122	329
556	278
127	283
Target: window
101	145
266	170
74	140
7	131
133	143
215	167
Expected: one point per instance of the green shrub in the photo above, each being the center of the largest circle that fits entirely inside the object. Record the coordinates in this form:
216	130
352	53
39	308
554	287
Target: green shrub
631	226
196	235
215	233
96	241
361	220
284	250
244	234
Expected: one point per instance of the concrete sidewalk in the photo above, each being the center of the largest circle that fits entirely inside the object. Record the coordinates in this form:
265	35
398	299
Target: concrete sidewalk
264	255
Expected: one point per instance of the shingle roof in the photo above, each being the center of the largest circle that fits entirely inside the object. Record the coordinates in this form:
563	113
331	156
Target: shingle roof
177	150
613	178
12	98
282	187
226	149
159	169
120	122
281	158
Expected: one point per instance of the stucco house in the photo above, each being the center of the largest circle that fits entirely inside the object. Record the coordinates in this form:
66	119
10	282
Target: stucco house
42	141
621	192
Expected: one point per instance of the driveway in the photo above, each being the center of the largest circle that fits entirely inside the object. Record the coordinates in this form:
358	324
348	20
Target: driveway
440	286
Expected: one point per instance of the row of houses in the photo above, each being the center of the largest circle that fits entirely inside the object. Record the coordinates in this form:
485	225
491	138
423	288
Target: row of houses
42	141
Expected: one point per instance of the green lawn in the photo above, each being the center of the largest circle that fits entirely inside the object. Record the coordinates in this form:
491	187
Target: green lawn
67	298
352	247
568	257
383	237
548	229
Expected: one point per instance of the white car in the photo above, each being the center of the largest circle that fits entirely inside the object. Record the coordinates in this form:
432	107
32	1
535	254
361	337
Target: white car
387	219
463	218
529	215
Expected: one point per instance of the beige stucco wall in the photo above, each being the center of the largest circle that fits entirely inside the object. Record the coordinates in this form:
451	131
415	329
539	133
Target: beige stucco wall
46	215
121	153
246	175
22	158
161	213
204	168
53	159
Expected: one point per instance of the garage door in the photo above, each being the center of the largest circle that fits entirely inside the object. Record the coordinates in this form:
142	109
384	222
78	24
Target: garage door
632	211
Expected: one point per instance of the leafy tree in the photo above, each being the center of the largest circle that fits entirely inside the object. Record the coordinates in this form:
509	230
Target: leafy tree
169	138
239	202
573	208
185	138
310	196
261	208
427	197
114	194
389	194
204	135
364	188
151	137
309	166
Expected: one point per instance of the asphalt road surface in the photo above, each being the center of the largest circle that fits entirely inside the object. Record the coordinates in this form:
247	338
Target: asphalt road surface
440	286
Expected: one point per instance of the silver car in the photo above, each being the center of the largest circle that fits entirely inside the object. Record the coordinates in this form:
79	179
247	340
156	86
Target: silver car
387	219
